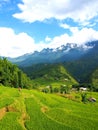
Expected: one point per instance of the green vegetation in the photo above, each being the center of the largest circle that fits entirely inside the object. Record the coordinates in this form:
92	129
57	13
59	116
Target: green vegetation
11	75
58	108
53	75
94	79
9	122
33	110
82	68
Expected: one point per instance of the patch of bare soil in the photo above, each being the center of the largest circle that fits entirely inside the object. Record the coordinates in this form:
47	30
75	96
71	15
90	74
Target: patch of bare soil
6	109
44	109
10	109
2	112
22	120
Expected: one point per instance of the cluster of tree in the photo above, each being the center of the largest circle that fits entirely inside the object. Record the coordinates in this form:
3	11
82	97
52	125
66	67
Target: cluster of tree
63	89
49	73
89	86
11	75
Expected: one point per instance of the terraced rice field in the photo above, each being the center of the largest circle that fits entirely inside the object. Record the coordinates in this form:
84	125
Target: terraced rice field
33	110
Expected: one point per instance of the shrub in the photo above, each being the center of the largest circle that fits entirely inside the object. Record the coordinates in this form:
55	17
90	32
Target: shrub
84	97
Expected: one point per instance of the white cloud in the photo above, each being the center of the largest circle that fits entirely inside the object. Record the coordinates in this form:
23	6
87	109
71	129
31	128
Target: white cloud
47	39
85	35
64	25
14	45
79	36
72	29
78	10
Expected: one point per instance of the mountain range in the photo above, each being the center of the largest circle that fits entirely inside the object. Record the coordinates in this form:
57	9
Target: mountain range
64	53
83	67
80	60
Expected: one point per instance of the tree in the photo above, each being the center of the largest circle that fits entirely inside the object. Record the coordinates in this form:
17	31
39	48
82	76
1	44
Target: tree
64	89
20	79
12	76
56	90
84	97
51	89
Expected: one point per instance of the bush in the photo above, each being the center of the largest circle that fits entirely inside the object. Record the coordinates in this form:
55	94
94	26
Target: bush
84	97
56	90
45	90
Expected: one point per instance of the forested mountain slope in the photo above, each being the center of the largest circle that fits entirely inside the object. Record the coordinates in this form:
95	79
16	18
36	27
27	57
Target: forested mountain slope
79	61
11	75
49	73
94	79
83	68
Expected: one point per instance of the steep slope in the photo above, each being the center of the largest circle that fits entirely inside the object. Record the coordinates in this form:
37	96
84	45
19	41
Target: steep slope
49	73
82	69
94	79
80	61
11	75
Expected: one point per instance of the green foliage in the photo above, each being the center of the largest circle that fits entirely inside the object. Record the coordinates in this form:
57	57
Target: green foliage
56	90
45	90
64	89
46	74
94	79
19	79
11	75
83	68
84	97
54	72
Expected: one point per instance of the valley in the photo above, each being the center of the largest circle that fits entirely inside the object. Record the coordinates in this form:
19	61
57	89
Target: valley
48	64
41	94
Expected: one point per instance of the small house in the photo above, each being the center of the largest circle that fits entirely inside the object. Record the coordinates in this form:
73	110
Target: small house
83	88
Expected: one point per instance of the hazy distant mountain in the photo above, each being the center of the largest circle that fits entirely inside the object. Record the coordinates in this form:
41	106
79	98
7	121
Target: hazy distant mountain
64	53
82	68
80	61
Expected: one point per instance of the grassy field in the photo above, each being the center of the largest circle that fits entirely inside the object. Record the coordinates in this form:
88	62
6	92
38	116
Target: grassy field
33	110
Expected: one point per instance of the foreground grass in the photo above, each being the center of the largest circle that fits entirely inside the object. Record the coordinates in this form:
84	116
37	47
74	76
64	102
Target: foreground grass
10	122
39	120
32	110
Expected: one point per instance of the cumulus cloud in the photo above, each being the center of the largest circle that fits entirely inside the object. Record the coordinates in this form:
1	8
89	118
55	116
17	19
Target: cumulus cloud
79	36
78	10
14	45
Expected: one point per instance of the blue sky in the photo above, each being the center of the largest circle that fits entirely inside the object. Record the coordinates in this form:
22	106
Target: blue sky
29	25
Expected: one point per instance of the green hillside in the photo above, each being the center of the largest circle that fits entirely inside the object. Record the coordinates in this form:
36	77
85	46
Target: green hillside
94	79
83	68
41	76
11	75
49	74
32	110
